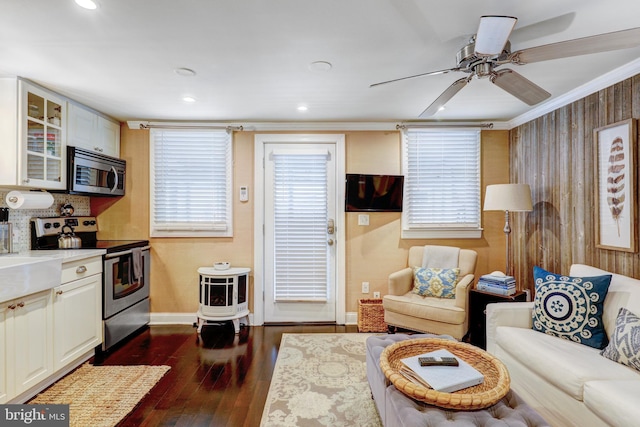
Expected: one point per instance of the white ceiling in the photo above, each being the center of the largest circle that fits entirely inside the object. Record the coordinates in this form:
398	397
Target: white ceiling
252	57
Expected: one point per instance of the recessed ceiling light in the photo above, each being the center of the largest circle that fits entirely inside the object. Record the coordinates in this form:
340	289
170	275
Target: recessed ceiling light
302	108
320	66
189	99
87	4
185	72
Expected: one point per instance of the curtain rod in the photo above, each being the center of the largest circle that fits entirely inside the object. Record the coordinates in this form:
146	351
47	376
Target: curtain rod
443	125
228	128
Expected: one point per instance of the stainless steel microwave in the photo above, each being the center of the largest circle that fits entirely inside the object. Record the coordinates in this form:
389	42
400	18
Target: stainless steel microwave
94	174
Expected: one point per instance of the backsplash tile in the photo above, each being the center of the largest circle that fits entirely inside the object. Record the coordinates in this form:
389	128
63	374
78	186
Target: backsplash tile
20	218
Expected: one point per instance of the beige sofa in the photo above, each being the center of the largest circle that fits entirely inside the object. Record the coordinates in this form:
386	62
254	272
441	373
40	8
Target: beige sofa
403	308
569	384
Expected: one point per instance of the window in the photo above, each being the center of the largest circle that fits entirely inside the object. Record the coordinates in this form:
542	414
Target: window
442	183
190	183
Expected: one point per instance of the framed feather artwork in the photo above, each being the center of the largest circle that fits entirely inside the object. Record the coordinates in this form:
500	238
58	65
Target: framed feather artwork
616	210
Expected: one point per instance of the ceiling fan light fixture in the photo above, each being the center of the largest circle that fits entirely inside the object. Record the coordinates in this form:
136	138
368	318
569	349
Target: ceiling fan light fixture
493	34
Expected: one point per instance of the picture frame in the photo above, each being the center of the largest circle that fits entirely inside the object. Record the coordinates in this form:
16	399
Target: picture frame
615	195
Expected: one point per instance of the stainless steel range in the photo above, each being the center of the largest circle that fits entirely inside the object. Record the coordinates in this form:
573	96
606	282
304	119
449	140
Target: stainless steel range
126	272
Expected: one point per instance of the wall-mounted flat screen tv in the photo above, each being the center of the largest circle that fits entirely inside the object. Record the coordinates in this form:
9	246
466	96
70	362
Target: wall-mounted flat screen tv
373	193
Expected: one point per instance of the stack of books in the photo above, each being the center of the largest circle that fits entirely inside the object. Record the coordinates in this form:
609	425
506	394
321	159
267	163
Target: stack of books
446	379
500	285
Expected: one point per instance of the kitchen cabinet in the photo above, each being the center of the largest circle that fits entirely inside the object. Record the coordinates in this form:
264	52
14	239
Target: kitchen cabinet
26	327
6	384
33	132
77	311
91	131
47	333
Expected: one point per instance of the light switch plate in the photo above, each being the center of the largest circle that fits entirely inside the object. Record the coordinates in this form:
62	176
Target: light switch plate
363	219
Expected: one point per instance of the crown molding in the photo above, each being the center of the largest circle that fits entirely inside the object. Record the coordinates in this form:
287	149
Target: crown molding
612	77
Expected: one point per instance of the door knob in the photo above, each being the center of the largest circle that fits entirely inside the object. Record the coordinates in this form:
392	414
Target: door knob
330	242
331	227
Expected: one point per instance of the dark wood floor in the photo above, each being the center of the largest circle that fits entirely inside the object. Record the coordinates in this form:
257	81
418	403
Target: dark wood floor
219	380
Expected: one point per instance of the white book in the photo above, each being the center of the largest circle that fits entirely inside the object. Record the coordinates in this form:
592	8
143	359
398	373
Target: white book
441	378
496	290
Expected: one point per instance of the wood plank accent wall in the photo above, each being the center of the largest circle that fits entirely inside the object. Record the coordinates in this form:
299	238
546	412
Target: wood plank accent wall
554	154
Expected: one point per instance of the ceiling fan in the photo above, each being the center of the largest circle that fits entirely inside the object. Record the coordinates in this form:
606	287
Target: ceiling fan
490	48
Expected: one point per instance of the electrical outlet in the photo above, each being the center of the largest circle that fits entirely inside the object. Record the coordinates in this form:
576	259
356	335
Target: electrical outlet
376	294
363	219
365	287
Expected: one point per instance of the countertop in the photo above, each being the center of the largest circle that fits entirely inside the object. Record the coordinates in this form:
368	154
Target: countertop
66	255
45	272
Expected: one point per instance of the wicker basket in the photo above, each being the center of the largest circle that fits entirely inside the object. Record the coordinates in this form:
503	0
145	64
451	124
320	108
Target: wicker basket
496	377
371	316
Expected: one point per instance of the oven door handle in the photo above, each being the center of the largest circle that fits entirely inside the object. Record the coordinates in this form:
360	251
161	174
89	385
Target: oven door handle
118	254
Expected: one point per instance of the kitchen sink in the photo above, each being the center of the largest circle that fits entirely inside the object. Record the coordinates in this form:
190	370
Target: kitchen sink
21	276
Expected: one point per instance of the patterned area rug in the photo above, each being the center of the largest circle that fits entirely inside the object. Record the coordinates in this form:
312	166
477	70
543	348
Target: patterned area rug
101	396
320	380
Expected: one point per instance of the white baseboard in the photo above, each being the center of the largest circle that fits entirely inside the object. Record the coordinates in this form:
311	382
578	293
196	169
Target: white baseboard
173	319
351	318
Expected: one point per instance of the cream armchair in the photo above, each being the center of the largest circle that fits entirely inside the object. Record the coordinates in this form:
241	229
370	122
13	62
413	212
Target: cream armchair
405	309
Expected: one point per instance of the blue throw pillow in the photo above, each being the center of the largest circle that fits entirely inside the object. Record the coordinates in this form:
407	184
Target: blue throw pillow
435	282
570	307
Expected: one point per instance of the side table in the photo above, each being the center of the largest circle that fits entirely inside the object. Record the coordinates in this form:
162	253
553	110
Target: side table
478	301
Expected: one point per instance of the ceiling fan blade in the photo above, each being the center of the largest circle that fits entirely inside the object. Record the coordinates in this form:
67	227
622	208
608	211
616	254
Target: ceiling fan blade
493	33
519	86
593	44
445	97
430	73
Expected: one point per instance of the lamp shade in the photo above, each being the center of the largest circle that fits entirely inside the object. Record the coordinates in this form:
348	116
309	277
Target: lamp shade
508	197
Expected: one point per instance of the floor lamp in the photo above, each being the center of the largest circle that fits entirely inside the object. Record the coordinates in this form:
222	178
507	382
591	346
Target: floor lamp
508	198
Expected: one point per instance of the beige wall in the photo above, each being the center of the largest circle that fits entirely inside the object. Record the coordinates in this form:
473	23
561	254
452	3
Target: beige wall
372	252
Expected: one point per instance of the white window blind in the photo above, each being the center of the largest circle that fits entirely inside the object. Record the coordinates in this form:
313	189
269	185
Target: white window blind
190	183
300	227
442	183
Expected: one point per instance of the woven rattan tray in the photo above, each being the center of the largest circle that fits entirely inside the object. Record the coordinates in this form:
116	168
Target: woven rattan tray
496	377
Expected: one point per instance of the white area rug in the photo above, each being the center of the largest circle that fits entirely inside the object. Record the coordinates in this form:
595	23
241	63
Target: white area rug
320	380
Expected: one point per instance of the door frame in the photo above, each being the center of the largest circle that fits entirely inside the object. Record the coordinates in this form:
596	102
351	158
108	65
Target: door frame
260	140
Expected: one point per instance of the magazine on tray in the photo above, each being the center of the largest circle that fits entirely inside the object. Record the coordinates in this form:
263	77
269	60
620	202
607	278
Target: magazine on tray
446	379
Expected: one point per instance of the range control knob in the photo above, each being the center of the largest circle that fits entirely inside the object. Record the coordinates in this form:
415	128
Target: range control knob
47	225
86	222
56	224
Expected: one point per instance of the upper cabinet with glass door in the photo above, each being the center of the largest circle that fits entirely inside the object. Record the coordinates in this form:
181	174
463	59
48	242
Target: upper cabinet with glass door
32	129
43	163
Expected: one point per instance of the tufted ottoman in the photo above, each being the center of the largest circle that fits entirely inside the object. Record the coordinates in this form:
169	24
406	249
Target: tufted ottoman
396	409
